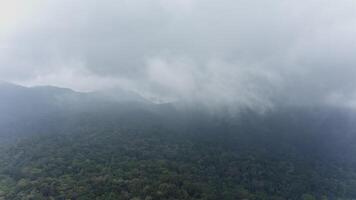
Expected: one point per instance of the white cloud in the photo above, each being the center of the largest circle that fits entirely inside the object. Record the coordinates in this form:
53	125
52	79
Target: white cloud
231	52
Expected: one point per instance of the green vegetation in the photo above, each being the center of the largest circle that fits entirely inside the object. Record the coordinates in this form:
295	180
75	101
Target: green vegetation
57	144
153	162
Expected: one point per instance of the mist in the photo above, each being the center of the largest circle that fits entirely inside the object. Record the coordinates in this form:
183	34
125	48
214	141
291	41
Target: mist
177	99
248	53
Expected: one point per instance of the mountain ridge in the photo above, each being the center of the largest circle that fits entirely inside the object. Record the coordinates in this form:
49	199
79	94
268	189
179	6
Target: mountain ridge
52	142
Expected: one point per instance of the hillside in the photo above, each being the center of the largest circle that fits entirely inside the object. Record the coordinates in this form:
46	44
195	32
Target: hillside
112	149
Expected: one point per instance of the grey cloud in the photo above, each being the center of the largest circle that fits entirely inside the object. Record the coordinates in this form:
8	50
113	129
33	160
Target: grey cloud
231	52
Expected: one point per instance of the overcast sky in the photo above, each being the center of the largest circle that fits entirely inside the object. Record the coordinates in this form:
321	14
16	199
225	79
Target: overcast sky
219	51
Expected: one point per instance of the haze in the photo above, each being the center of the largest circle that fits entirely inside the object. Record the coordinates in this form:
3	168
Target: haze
177	99
234	52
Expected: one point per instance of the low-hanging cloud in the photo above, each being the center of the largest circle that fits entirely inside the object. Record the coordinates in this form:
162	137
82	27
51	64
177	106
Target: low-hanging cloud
233	52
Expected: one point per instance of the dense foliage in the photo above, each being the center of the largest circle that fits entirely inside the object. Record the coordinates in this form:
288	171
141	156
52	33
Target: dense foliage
206	159
56	144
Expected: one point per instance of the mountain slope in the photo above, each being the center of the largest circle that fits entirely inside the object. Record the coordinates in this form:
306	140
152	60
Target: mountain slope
96	148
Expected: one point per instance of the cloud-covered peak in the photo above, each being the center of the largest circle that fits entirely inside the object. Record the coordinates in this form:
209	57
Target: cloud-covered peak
232	52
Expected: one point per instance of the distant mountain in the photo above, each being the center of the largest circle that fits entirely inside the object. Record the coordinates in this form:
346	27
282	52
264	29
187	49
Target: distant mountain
119	95
26	105
56	143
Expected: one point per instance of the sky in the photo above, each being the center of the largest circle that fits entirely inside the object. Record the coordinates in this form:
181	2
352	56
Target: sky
230	52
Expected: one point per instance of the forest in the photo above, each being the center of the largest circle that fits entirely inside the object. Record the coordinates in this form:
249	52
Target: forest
133	151
177	100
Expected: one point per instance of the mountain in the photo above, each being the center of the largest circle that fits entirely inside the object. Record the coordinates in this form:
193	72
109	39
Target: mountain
19	104
119	95
60	144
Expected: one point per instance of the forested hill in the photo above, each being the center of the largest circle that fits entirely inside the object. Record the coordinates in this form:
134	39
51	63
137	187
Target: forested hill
60	144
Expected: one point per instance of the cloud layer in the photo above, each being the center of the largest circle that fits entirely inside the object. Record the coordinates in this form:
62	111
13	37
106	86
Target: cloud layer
234	52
